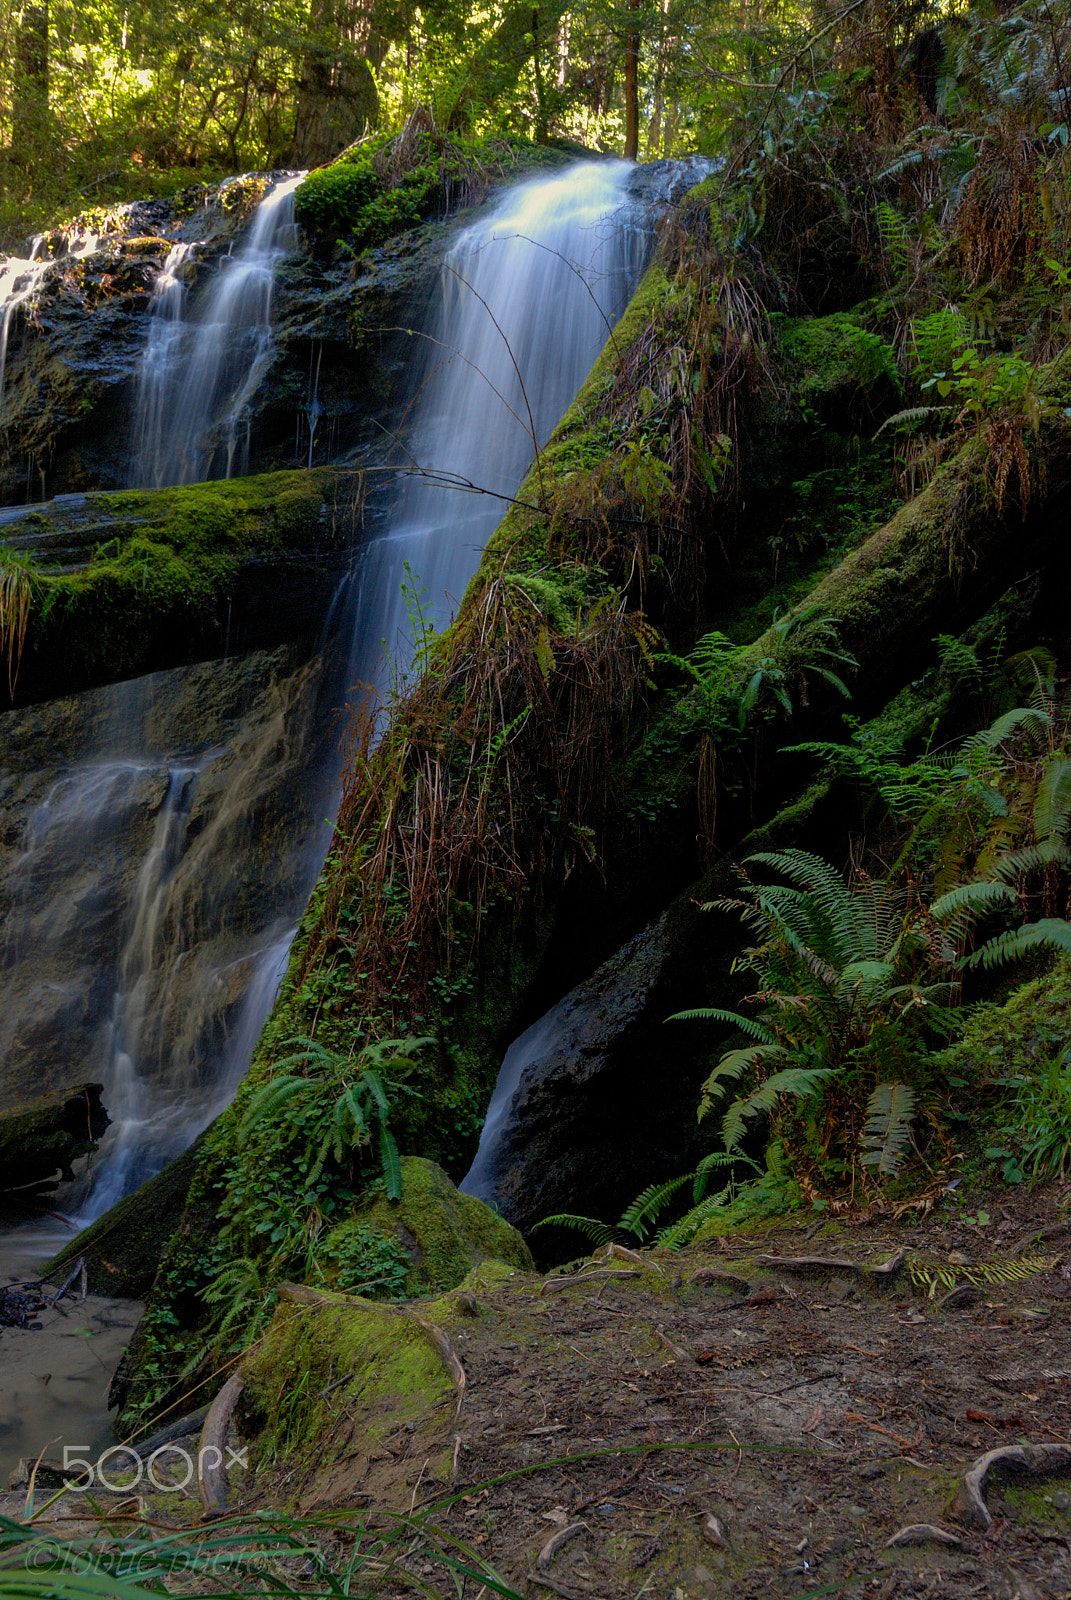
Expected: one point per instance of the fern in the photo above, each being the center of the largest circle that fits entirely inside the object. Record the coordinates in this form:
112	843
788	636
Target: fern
912	415
748	1025
685	1229
732	1067
717	1159
598	1232
638	1217
937	338
391	1163
269	1100
1050	933
894	234
888	1127
802	1082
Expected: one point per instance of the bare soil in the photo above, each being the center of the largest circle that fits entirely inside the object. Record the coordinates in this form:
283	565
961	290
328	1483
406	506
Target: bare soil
737	1419
814	1413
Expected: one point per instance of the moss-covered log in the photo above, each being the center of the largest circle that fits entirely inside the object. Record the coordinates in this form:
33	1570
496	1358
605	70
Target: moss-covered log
99	587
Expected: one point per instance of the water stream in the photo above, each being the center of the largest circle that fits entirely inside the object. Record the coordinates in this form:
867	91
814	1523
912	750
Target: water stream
527	299
21	277
199	372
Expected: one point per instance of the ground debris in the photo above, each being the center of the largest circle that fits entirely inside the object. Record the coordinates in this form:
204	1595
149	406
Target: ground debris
925	1533
21	1302
659	1405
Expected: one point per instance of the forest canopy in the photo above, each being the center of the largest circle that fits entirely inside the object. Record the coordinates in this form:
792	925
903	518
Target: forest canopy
104	100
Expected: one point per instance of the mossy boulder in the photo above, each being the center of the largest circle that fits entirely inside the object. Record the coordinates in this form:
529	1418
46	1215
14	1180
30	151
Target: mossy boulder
839	371
443	1232
122	583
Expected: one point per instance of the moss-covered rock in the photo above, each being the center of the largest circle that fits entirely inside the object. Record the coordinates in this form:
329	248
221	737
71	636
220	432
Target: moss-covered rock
838	370
1020	1036
123	1249
375	190
123	583
443	1232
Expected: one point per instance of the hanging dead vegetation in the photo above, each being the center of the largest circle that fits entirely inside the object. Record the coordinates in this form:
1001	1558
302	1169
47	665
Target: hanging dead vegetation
495	768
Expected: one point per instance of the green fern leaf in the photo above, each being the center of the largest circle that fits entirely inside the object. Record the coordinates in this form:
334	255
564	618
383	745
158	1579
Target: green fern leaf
684	1231
748	1025
269	1100
888	1127
637	1217
391	1163
1051	933
598	1232
802	1082
973	897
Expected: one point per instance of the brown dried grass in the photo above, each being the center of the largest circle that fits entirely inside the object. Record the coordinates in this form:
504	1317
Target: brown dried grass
495	768
16	601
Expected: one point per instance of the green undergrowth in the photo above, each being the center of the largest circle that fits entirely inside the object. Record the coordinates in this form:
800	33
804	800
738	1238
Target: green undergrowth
388	183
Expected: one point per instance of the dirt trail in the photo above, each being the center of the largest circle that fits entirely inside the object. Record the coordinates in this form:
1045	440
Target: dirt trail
813	1411
755	1417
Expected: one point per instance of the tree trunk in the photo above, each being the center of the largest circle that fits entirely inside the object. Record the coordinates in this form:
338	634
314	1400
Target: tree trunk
654	135
496	66
542	130
632	85
337	96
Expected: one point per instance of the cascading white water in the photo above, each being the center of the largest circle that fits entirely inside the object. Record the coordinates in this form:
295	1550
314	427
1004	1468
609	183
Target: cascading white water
530	1046
528	297
198	375
159	364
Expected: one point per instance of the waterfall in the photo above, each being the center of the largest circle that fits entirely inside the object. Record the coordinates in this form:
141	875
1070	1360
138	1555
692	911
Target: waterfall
198	375
153	895
532	1045
163	864
527	299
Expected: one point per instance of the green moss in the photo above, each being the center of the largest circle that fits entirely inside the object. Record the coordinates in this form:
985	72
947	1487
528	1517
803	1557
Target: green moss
838	370
123	1249
156	587
381	1355
444	1233
1019	1036
356	198
1032	1503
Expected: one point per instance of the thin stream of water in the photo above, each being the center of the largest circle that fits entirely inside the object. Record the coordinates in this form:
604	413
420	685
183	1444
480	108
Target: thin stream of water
200	372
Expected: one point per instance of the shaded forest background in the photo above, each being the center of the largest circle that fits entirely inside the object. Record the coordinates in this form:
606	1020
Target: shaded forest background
104	101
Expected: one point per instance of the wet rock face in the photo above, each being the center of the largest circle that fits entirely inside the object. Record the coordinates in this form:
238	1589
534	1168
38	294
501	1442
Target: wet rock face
40	1138
597	1114
153	843
75	343
139	580
340	338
